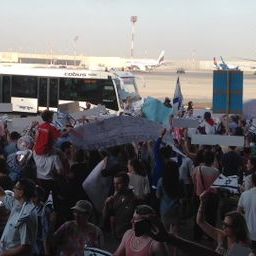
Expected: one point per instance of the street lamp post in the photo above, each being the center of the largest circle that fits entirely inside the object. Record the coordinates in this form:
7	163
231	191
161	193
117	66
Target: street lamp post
133	21
74	46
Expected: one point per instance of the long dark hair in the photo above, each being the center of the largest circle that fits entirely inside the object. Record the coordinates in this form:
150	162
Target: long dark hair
239	226
170	179
138	167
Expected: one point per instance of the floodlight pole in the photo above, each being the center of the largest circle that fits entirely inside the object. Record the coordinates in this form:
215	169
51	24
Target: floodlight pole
133	21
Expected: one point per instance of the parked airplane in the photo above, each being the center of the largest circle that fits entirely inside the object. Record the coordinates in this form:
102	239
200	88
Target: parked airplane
145	64
224	65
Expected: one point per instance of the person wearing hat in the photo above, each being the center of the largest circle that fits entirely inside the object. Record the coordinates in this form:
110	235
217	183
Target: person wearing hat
72	236
19	164
19	235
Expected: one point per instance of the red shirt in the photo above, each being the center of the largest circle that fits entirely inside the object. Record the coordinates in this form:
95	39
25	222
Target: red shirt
47	134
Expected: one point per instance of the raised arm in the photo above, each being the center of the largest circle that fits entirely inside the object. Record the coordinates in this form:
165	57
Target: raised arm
159	233
120	251
211	231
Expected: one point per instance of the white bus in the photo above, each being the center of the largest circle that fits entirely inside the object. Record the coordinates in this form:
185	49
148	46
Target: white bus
31	90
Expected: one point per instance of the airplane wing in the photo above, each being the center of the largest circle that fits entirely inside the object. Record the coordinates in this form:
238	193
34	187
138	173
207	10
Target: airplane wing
248	59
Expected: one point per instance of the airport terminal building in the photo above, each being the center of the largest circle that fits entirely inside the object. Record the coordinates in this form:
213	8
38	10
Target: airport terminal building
91	62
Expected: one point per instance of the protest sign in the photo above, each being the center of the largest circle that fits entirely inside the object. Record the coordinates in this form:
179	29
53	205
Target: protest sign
97	187
115	131
20	124
69	107
185	123
5	107
222	140
91	113
154	110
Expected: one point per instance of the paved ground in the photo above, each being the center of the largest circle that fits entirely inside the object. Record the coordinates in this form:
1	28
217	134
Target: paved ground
196	86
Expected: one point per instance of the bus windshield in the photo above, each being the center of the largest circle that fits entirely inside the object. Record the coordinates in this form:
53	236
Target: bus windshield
126	87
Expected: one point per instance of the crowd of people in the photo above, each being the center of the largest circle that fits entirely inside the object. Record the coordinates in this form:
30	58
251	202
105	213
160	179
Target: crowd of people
153	189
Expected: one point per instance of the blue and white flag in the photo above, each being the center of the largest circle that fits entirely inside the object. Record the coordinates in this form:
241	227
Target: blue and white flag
177	99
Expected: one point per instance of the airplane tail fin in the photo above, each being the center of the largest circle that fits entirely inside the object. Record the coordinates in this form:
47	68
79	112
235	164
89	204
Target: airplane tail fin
215	63
223	60
161	57
225	66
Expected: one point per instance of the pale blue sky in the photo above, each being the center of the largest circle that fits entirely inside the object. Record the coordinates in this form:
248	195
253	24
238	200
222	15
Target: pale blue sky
205	28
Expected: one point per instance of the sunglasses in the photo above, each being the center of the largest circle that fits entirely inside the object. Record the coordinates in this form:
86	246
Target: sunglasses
226	225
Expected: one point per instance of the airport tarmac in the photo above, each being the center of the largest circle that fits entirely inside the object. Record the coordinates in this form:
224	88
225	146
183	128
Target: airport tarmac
195	85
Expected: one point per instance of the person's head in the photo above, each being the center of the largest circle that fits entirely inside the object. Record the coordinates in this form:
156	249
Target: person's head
24	189
242	122
207	116
47	116
167	102
170	179
80	156
66	148
25	142
39	195
199	157
190	105
82	210
140	224
114	151
254	179
235	227
166	152
135	166
121	181
238	131
208	158
14	136
251	164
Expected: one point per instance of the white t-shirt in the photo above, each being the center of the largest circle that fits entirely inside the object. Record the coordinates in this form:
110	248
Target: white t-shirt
46	165
185	170
139	184
247	201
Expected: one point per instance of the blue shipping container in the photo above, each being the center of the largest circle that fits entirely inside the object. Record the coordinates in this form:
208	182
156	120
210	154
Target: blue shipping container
228	91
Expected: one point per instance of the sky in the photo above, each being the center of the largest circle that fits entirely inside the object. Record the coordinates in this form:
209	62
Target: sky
185	29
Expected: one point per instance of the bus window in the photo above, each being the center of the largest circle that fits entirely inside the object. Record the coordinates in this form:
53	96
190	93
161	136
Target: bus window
109	96
53	92
6	89
42	97
95	91
24	86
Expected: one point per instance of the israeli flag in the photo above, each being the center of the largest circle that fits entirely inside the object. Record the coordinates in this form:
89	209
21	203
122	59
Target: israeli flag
177	99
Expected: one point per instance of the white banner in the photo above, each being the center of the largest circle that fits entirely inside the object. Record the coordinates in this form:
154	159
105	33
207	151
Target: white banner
222	140
97	187
20	124
185	123
90	113
115	131
69	107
